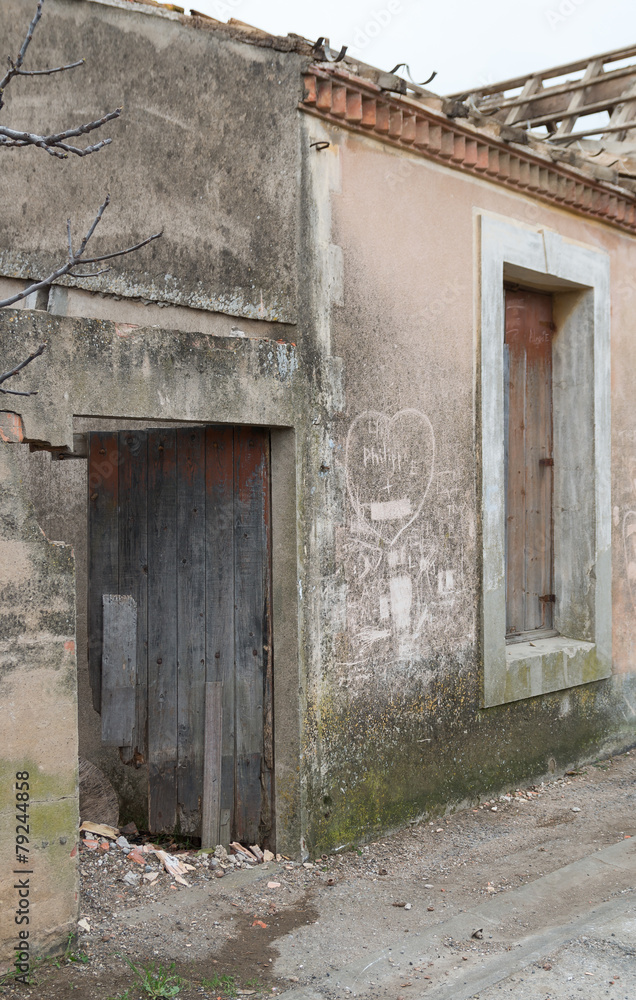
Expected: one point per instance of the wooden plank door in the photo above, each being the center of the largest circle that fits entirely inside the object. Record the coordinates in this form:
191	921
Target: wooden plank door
163	628
529	462
179	520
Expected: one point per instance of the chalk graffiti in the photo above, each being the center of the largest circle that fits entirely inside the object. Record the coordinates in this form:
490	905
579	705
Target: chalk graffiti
403	546
389	463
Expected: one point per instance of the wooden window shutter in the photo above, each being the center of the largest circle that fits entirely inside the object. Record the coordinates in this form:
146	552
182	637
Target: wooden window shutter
529	463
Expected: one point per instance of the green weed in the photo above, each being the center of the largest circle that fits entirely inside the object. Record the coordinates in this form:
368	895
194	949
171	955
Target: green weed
221	984
157	982
7	976
70	956
36	965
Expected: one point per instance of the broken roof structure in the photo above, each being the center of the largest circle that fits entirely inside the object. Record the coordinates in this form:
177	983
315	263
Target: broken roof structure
323	517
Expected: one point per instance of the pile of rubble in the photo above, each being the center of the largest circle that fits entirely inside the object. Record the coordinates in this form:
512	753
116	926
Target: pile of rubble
148	862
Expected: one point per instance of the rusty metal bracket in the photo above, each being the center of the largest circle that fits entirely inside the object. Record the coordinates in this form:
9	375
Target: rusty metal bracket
322	51
408	73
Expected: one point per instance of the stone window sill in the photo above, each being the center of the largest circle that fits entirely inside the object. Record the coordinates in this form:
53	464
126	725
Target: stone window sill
551	664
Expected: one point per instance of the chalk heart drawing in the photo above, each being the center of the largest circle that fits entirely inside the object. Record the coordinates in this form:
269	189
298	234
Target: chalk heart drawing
389	463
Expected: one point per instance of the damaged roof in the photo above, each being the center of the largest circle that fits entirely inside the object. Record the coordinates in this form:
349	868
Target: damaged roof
581	114
588	106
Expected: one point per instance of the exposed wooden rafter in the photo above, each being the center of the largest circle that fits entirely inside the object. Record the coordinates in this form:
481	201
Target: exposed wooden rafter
564	109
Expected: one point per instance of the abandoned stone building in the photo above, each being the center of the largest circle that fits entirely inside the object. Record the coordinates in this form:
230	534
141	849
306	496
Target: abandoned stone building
341	470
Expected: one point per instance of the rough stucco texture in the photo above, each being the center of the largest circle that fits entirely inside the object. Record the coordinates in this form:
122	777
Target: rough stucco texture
38	707
393	725
217	115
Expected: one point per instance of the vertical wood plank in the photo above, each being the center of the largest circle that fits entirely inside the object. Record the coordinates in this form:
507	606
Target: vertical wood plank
515	486
211	808
118	669
162	630
133	561
191	610
267	831
103	467
538	337
529	533
220	602
250	488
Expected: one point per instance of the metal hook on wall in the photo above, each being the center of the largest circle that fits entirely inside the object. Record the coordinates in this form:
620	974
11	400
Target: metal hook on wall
322	51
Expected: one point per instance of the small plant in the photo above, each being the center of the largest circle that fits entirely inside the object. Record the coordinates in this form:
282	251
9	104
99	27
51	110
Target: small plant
157	982
7	976
602	765
70	956
254	984
32	979
220	984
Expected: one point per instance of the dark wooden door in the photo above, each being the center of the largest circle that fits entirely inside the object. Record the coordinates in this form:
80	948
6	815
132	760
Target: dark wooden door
529	462
179	522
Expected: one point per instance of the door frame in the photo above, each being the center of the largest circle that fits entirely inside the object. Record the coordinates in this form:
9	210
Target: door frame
287	686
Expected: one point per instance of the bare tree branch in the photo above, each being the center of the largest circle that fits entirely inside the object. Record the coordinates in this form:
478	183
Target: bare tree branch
15	68
47	72
56	144
25	44
96	221
120	253
18	368
75	259
56	141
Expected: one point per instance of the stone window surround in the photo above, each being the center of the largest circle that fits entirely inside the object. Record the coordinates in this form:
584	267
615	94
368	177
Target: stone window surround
578	276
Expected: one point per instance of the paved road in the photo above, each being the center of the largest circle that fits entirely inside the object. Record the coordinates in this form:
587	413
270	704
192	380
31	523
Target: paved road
588	950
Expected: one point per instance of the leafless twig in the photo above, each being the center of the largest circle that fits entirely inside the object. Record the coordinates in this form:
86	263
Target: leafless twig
46	72
18	368
57	145
14	67
76	258
54	144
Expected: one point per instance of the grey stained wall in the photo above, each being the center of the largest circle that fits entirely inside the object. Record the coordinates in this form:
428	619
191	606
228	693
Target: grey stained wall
206	150
38	713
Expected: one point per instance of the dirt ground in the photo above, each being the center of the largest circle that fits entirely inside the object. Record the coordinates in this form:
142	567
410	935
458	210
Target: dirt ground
283	925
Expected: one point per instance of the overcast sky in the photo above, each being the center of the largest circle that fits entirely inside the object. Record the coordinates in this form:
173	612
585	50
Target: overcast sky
467	42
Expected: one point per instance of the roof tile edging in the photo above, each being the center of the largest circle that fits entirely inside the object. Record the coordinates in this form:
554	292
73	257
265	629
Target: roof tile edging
361	106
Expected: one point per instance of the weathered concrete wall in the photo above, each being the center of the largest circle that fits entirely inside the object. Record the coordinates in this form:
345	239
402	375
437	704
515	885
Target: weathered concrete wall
206	150
373	397
38	722
393	723
58	491
156	376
